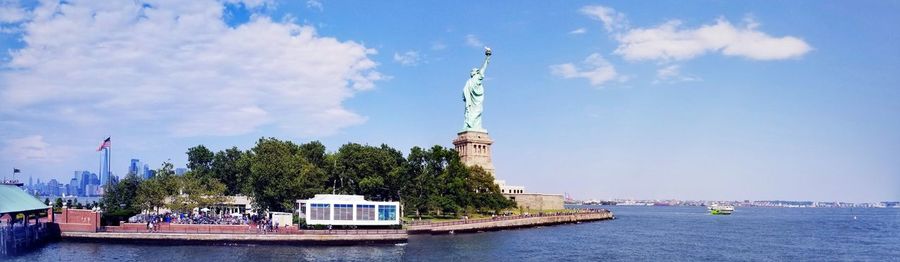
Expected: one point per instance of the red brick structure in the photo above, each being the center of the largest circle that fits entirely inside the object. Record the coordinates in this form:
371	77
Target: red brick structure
78	220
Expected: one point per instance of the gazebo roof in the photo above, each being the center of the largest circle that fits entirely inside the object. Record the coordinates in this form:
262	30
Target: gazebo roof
13	200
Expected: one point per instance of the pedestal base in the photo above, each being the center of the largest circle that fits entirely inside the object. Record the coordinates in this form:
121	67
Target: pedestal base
474	149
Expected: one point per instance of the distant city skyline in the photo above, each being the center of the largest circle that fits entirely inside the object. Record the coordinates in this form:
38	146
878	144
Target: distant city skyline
621	99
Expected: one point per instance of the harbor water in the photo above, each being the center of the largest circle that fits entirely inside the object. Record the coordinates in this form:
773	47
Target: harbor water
638	234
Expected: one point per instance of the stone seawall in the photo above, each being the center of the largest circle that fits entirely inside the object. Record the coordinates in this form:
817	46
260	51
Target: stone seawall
446	228
222	234
183	238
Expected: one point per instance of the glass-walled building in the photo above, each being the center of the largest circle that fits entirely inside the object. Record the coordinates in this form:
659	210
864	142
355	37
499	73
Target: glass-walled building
348	210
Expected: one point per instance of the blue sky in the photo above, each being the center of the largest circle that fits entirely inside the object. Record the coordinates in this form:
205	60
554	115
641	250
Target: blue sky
649	100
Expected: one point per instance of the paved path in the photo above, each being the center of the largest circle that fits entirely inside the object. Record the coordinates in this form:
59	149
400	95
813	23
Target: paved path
236	238
506	223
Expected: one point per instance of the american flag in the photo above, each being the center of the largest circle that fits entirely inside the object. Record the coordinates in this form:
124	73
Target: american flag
106	144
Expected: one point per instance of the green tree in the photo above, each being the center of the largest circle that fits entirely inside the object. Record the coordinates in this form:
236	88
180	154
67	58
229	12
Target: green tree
366	170
195	191
414	191
57	205
280	174
152	193
486	194
436	182
432	182
119	198
232	168
200	161
314	153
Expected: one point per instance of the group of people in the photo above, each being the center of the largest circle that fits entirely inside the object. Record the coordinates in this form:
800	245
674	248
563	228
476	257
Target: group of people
201	218
265	225
262	224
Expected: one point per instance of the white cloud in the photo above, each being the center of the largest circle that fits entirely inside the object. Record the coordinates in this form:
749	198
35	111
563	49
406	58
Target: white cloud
670	41
33	149
408	58
438	45
594	68
578	31
11	12
314	4
180	66
253	3
611	19
473	41
671	74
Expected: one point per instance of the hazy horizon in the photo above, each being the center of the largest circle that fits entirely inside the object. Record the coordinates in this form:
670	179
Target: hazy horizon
702	100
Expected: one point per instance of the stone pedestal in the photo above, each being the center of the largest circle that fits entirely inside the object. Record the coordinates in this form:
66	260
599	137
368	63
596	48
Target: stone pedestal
475	149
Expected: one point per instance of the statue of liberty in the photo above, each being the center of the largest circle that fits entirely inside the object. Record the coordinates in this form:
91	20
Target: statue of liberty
473	96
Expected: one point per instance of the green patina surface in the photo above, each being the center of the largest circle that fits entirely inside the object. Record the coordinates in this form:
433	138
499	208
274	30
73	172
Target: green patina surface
13	200
473	96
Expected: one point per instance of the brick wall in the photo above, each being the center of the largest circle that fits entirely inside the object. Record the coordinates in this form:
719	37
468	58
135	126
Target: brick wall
78	220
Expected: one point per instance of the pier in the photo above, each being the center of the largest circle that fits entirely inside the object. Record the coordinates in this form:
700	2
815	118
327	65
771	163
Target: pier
333	237
81	225
23	221
17	239
508	222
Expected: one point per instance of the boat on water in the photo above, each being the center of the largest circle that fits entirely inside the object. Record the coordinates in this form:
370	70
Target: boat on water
717	209
591	202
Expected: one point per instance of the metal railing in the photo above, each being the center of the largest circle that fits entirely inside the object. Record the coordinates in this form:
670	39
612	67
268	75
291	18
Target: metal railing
500	218
249	230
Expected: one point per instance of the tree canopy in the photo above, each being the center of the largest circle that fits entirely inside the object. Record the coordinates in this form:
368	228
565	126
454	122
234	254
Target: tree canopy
275	173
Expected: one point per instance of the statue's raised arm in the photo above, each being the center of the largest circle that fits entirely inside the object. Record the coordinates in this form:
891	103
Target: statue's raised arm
487	58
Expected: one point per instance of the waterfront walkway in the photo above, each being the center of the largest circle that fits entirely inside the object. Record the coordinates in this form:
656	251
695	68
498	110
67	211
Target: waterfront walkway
506	222
180	233
333	237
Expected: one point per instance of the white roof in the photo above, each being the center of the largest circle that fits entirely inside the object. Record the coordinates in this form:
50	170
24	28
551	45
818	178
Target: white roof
331	198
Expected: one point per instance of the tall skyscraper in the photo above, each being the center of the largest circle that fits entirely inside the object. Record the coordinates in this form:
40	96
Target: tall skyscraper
104	161
135	167
53	189
85	181
94	179
72	187
148	174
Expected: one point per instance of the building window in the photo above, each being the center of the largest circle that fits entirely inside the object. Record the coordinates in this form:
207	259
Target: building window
365	212
319	212
343	212
387	212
